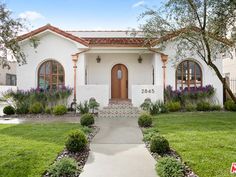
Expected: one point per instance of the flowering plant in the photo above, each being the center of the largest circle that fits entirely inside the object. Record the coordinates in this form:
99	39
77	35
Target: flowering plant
195	93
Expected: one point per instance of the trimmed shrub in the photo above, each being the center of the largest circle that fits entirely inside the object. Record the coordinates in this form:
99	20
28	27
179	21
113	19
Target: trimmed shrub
76	141
154	109
215	107
174	106
8	110
203	106
36	108
83	108
169	167
22	108
149	133
48	110
87	119
93	105
64	167
145	120
159	144
190	107
230	105
146	105
59	110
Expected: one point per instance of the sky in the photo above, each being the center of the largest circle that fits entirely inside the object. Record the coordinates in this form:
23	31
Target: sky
81	14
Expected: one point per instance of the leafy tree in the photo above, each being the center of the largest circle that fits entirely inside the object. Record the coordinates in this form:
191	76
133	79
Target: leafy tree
206	28
9	30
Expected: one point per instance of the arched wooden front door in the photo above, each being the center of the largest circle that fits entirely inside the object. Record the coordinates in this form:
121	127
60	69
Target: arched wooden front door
119	82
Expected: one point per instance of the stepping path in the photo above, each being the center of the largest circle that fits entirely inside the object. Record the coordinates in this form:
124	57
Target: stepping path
118	151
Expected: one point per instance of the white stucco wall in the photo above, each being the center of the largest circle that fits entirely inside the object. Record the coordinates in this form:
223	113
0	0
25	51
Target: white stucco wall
208	74
138	73
51	47
141	92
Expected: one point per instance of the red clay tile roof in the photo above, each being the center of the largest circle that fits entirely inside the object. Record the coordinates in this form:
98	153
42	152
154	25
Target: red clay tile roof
56	30
92	42
117	42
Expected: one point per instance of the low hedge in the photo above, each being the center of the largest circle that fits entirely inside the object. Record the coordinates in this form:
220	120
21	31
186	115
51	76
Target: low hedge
76	141
59	110
87	119
159	144
36	108
145	120
9	110
169	167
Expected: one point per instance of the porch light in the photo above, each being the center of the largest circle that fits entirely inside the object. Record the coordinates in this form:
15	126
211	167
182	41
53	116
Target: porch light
140	59
98	59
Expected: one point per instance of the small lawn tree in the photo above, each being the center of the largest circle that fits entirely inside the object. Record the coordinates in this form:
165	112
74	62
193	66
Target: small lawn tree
207	28
9	30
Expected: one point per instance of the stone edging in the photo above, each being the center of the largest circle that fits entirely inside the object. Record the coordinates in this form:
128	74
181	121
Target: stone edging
172	153
80	157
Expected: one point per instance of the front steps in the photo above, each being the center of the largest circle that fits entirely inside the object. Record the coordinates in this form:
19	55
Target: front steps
121	109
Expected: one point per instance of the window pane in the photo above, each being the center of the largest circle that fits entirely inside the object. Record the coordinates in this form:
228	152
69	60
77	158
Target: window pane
54	79
41	82
119	74
61	79
189	74
53	73
42	69
54	68
60	70
48	67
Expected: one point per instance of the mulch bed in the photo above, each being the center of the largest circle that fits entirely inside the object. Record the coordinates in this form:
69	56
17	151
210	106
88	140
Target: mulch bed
172	153
80	157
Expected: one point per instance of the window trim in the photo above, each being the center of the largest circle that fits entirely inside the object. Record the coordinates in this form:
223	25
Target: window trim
51	73
8	74
181	64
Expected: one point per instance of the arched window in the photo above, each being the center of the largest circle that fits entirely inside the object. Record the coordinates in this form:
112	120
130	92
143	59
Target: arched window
188	75
51	75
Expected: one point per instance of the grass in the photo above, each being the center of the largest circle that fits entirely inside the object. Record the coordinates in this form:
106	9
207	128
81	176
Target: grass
28	149
206	141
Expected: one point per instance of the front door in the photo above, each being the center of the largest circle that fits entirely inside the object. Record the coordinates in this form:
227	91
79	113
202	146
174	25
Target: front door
119	82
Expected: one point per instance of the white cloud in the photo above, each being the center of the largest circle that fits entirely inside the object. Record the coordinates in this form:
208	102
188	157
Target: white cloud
138	4
31	15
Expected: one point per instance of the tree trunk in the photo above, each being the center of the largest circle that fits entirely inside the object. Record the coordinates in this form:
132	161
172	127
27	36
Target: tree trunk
225	85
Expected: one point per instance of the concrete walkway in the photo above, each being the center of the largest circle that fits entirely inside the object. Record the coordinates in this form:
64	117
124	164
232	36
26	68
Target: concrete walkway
118	151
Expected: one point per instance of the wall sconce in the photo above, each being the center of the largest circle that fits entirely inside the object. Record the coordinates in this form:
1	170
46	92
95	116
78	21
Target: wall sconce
98	59
140	59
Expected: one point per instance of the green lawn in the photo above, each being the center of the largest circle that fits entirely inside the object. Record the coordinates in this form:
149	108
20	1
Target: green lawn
26	150
206	141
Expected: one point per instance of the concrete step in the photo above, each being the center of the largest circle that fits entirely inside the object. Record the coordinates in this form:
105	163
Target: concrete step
119	110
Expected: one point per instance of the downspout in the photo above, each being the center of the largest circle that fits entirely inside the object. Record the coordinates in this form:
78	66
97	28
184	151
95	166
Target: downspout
75	58
164	59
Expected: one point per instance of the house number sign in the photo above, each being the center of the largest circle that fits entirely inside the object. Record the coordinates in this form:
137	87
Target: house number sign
143	91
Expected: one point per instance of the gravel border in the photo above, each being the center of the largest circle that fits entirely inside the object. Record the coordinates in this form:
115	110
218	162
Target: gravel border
80	157
172	153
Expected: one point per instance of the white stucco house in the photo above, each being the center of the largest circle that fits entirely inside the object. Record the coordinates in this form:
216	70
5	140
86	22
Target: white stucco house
112	65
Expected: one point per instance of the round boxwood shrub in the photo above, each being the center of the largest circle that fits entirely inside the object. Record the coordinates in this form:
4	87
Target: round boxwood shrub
230	105
48	110
64	167
76	141
145	120
59	110
169	167
159	144
36	108
203	106
173	106
87	119
8	110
